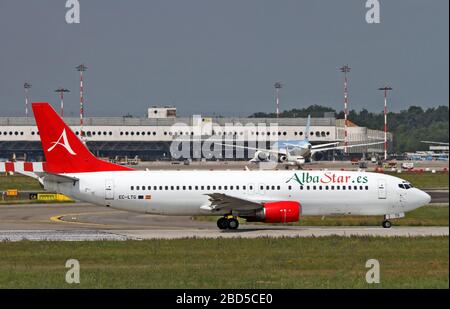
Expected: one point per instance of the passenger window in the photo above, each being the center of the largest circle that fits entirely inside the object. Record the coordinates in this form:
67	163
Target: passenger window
196	187
314	187
244	188
231	187
301	187
208	188
167	187
190	187
320	187
214	187
202	187
307	187
289	187
137	187
355	188
367	187
184	188
278	188
338	187
326	187
220	187
160	188
225	187
237	187
149	187
132	187
178	188
332	187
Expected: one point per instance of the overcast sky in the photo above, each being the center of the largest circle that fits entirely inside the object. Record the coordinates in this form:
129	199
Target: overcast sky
223	56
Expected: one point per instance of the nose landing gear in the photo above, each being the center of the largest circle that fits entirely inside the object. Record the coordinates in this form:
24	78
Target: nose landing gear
228	223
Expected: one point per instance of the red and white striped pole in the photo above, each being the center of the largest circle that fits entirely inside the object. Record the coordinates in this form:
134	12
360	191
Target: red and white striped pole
26	86
61	96
345	69
81	68
277	86
385	89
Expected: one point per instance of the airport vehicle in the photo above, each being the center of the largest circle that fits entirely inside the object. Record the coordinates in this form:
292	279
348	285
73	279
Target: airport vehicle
258	196
295	152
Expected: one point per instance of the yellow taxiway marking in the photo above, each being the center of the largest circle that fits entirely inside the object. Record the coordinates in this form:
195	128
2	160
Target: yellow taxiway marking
58	219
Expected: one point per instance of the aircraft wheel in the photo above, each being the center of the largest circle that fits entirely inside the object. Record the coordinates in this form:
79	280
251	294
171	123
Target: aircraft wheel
222	223
233	224
387	224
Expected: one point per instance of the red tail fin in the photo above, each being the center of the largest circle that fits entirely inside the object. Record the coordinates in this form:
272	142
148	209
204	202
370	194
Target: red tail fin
63	150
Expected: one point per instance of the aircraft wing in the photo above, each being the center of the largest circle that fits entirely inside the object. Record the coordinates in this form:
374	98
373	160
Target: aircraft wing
436	143
220	201
348	146
275	151
323	145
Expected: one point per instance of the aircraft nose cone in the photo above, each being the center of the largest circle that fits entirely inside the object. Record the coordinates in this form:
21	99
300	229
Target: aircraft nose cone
426	198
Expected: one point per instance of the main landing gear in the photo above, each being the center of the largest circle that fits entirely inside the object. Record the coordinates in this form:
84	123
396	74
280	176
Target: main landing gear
386	224
228	223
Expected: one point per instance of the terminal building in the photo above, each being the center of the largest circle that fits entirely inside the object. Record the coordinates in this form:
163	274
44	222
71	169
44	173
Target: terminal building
151	138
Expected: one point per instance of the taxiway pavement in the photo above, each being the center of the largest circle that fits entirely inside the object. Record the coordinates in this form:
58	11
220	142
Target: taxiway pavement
82	221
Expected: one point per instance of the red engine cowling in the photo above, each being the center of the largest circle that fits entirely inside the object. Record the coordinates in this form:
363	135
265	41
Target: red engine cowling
282	212
278	212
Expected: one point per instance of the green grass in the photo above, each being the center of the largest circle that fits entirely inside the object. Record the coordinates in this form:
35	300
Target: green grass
20	182
425	180
424	216
328	262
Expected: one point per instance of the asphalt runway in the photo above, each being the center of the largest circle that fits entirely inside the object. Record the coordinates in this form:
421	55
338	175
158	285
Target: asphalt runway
81	221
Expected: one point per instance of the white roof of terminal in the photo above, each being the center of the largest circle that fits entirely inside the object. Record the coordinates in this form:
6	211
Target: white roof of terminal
132	121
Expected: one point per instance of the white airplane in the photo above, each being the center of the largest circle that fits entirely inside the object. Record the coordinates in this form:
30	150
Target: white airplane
258	196
294	152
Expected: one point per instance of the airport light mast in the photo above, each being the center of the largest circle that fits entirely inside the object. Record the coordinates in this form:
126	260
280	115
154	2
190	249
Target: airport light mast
26	87
345	69
385	89
278	86
81	68
61	96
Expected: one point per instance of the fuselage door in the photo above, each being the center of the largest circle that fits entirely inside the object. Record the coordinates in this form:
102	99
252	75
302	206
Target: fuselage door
382	190
109	189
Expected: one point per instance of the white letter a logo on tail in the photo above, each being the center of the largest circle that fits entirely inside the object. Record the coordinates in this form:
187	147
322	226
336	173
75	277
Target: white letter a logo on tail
65	143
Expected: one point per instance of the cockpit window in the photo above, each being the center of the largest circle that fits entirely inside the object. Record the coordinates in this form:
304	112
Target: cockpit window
405	185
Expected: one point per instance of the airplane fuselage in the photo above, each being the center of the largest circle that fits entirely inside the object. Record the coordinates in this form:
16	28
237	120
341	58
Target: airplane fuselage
185	192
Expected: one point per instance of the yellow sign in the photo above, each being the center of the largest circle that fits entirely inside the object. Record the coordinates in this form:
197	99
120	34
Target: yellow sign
11	192
46	196
52	197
